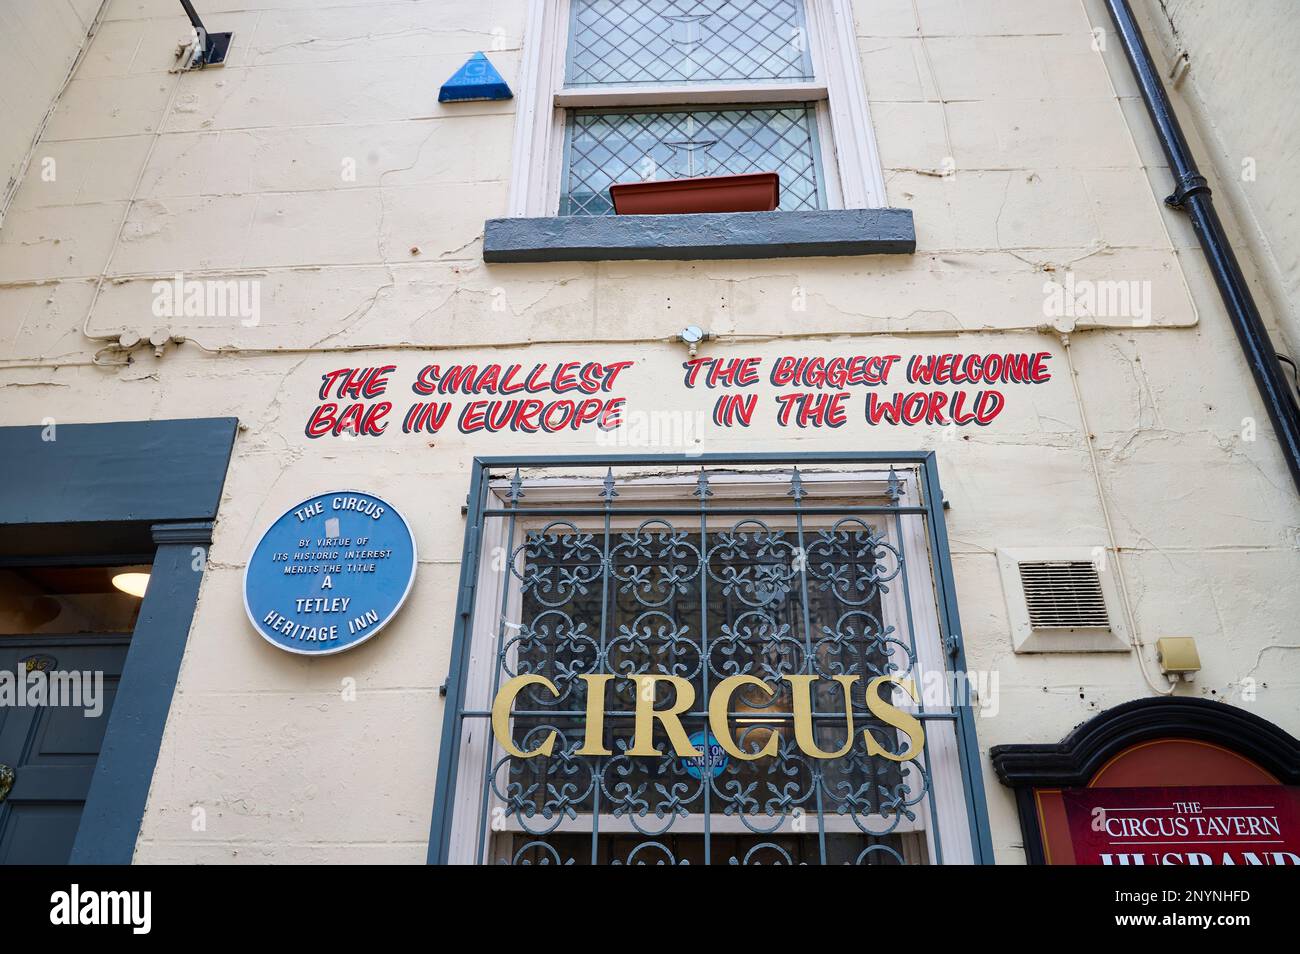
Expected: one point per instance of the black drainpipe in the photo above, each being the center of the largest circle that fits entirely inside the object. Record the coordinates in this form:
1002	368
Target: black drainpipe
1192	195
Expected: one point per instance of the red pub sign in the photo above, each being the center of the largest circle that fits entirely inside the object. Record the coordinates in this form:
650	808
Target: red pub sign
1218	825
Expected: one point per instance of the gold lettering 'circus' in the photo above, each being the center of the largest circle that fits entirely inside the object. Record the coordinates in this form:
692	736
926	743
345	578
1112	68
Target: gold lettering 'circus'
719	705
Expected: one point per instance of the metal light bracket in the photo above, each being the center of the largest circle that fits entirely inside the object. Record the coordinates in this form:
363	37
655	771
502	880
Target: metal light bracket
209	49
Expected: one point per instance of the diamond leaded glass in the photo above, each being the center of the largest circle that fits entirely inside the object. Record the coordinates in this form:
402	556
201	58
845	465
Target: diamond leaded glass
686	41
606	148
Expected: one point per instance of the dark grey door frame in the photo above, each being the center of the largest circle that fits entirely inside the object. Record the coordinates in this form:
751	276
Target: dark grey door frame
90	486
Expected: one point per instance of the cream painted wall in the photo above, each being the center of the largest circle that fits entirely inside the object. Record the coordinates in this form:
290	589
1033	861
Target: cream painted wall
39	42
1238	88
236	173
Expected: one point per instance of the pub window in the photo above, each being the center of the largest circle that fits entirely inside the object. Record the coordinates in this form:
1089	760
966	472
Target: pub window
638	90
819	578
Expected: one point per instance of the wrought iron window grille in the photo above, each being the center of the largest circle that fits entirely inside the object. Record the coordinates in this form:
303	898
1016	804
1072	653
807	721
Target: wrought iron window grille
705	567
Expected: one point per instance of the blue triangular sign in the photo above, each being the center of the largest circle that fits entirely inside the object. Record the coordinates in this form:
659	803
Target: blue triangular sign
477	79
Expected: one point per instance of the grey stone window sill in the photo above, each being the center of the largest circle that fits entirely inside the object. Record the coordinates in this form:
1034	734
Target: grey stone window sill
713	235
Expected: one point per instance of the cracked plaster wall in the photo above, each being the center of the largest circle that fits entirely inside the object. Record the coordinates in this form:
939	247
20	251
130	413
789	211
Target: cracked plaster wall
235	173
1237	88
39	43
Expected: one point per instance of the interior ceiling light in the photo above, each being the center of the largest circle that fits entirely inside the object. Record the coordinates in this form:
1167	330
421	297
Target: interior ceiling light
134	584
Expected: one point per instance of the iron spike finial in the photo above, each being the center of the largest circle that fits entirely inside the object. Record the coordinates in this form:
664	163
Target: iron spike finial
516	491
702	489
894	490
608	493
796	486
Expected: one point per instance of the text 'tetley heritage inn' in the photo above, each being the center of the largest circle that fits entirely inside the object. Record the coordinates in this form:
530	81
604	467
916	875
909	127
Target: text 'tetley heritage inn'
649	431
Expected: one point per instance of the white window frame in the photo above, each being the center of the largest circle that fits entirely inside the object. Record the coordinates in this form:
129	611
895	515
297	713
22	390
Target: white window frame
850	160
949	797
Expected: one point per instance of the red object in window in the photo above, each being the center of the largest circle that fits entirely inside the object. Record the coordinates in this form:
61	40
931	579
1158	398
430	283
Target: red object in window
754	192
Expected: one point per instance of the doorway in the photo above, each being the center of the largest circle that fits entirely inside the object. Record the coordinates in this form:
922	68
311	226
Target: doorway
65	629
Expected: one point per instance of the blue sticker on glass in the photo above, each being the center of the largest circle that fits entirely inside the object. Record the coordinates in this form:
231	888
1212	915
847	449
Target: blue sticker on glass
711	758
330	573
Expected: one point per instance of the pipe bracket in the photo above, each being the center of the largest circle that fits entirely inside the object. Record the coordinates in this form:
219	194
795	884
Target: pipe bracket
1188	185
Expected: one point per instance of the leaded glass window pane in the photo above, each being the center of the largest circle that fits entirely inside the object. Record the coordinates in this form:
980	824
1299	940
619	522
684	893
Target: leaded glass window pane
604	148
686	41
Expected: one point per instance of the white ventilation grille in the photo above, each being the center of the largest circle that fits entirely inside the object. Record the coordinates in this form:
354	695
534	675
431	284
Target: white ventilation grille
1063	594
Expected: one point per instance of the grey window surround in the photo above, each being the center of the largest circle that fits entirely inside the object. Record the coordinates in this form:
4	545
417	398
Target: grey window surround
713	235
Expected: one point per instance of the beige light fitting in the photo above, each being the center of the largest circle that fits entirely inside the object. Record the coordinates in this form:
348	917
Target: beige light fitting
1178	656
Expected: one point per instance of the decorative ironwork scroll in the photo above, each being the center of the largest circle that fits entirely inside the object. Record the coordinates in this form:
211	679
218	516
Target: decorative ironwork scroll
787	582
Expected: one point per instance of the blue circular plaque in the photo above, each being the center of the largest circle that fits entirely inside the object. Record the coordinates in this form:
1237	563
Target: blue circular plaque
330	573
712	758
